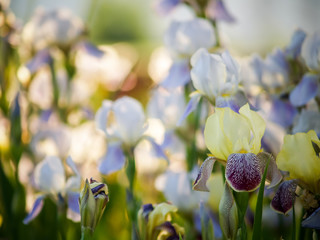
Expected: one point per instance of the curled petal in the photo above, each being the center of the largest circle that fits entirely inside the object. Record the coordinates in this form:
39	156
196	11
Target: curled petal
36	209
273	174
284	198
113	161
243	172
203	175
306	90
313	221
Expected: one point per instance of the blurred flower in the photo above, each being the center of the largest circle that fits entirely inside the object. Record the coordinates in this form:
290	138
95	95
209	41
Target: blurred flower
58	27
165	6
184	38
176	187
310	51
93	200
216	10
157	222
122	120
167	106
300	157
306	90
50	178
235	140
124	123
307	120
214	75
159	64
293	50
109	69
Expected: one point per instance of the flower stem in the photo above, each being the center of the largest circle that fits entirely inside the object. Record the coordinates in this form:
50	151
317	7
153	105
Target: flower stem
86	233
132	204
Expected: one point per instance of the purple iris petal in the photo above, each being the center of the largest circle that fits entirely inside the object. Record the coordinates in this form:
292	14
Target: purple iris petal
284	198
313	221
243	172
40	59
230	102
282	112
91	49
305	90
294	48
36	209
192	105
73	201
165	6
216	10
158	149
45	115
113	161
179	75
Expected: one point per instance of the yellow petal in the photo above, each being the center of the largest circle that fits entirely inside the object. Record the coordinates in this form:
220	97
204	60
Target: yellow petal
224	131
257	126
298	157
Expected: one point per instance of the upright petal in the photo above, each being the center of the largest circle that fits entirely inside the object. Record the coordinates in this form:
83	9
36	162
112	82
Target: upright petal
299	158
49	175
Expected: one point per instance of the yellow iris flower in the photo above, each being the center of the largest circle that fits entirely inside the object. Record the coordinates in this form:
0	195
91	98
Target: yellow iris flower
299	157
227	132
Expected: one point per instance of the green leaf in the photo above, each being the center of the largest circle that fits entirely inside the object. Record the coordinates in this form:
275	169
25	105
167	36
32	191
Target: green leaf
258	214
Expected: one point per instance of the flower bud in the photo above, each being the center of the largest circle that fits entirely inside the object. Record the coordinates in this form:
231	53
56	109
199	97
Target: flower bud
93	200
228	214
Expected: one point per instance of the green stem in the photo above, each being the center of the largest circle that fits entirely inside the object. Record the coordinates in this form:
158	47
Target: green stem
258	213
86	233
216	33
132	204
192	151
293	223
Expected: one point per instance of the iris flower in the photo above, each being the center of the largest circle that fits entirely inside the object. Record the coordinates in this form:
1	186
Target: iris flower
235	141
299	157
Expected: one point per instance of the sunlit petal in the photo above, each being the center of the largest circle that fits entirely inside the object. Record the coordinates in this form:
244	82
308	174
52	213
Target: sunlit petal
36	209
113	161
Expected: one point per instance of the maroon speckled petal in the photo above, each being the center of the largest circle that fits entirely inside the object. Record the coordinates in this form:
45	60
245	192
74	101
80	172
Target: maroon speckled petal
203	175
243	172
273	174
283	200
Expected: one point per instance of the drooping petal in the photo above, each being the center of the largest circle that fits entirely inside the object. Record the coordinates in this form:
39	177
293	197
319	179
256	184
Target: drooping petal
192	105
36	209
40	59
203	175
313	221
298	157
91	49
284	198
179	75
216	10
163	7
306	90
243	172
281	112
73	206
230	102
158	149
49	175
113	161
273	174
